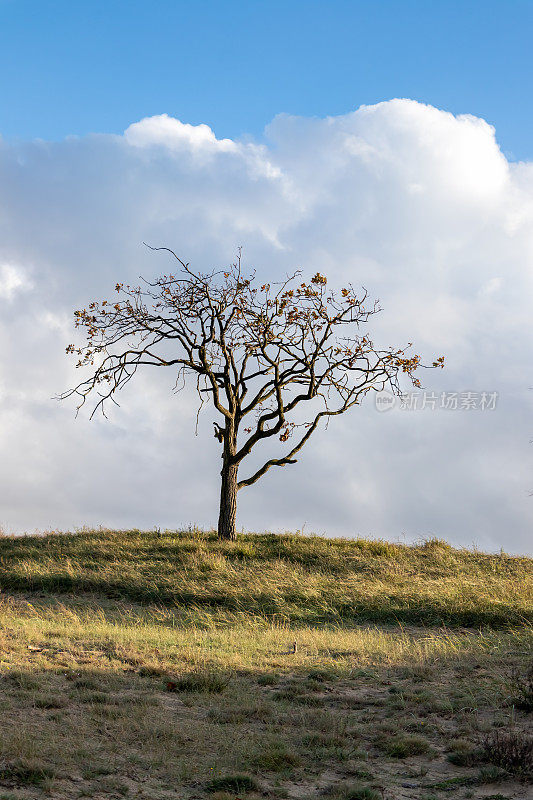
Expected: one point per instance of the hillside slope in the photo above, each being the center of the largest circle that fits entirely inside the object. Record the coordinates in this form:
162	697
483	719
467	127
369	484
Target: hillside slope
164	666
299	579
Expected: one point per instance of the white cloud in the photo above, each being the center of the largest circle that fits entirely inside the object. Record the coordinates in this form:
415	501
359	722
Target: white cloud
176	135
418	205
12	280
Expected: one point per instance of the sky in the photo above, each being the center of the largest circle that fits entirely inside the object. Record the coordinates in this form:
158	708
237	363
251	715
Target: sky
384	144
75	68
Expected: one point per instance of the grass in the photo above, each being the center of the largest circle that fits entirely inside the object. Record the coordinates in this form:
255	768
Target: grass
356	792
200	681
163	665
403	746
286	578
25	773
521	688
233	783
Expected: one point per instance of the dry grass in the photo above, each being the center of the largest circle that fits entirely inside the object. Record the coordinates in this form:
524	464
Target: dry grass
107	693
284	578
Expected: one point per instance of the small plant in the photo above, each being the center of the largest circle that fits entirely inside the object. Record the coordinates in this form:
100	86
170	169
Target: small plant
288	692
321	739
93	697
435	545
418	673
148	671
233	783
212	682
25	773
296	693
49	701
362	773
22	680
88	682
276	758
321	675
268	679
356	791
236	714
405	746
511	751
521	687
491	774
463	753
111	785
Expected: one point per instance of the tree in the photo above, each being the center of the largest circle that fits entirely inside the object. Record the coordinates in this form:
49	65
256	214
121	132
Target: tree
260	354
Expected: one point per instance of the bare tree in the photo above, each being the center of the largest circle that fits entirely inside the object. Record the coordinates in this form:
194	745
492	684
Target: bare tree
258	353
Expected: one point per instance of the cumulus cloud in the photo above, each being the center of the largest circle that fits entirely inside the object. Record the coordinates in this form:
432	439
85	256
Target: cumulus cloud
419	206
176	135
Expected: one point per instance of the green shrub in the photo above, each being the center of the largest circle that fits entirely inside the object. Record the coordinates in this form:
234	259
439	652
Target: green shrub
207	681
404	746
276	758
463	753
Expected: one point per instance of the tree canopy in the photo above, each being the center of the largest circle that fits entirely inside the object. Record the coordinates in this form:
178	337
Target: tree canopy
260	352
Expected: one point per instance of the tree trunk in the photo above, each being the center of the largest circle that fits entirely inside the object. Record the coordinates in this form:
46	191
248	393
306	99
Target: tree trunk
228	503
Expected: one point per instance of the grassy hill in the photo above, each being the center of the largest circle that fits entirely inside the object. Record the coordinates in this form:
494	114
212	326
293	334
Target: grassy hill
164	665
299	579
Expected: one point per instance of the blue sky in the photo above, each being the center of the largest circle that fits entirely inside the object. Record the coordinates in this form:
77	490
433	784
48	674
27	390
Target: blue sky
77	67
